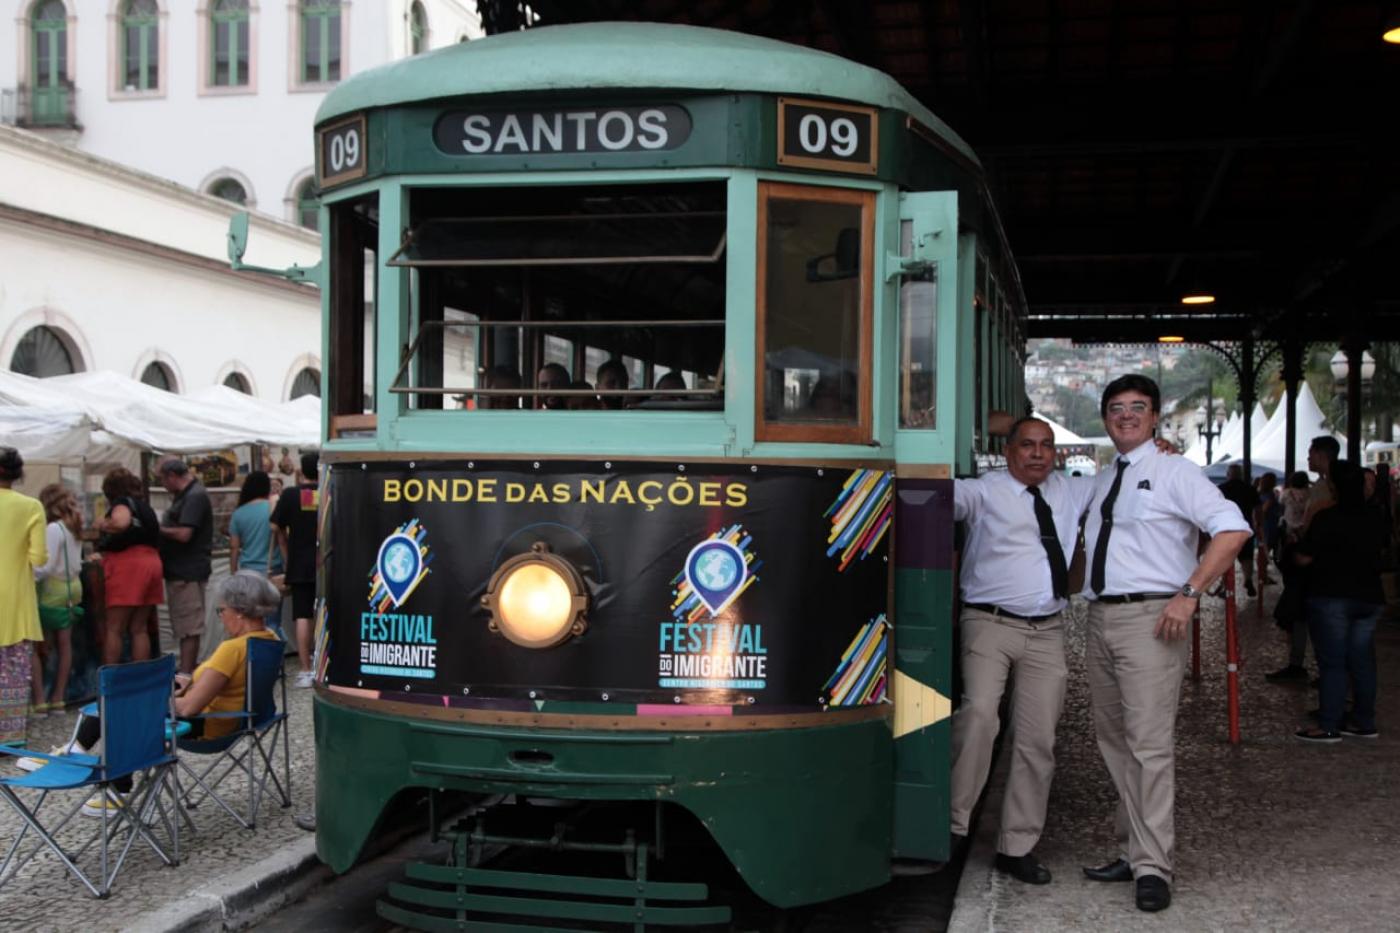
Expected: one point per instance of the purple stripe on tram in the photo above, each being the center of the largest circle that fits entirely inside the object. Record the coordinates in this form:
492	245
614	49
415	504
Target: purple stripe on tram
923	524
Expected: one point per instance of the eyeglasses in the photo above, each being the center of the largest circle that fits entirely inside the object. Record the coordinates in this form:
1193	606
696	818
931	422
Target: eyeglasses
1118	409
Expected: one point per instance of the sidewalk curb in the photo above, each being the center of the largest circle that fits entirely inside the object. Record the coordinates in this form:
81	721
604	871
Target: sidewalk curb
243	897
974	904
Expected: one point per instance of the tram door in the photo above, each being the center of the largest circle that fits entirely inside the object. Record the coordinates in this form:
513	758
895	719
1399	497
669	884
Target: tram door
925	440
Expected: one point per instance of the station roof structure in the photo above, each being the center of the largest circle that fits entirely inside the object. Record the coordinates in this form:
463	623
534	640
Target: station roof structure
1139	150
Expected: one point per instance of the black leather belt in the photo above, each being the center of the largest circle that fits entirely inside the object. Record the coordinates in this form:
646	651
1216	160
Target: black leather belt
1114	599
998	611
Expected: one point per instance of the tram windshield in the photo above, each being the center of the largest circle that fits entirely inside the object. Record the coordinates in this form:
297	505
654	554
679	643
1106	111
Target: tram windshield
566	297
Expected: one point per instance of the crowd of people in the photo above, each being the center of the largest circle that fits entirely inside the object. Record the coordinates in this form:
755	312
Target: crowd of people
146	560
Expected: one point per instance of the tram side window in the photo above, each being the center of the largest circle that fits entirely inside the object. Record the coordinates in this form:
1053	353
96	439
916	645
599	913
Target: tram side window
918	341
566	297
814	318
354	233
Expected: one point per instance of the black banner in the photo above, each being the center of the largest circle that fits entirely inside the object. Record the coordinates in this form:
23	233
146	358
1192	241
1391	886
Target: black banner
713	584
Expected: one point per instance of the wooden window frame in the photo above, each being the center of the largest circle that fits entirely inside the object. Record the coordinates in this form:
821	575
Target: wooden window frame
859	432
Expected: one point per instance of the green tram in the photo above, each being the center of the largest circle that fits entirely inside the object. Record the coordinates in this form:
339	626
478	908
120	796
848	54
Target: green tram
651	353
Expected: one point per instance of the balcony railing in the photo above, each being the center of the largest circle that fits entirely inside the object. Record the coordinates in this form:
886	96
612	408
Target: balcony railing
55	106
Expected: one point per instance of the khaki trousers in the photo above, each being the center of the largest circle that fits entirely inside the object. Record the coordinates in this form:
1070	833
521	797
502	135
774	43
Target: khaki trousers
1135	683
992	647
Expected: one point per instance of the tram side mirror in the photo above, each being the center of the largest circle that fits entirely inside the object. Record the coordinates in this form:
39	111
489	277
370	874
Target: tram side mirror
237	237
843	263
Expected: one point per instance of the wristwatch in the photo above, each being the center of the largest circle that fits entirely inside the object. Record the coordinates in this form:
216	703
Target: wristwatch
1189	591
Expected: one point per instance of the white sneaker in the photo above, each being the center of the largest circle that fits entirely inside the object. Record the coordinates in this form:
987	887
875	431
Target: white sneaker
34	764
304	679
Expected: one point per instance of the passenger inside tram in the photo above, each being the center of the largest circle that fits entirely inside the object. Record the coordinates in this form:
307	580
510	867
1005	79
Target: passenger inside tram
552	376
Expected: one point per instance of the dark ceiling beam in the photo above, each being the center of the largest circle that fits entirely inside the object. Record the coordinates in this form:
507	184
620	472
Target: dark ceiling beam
1313	327
972	25
1036	148
853	27
1279	54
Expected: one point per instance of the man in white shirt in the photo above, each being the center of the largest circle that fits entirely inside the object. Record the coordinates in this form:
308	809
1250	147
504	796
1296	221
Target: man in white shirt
1021	528
1144	582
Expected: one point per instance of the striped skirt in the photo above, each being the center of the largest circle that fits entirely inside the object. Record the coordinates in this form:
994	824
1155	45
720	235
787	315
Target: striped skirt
15	690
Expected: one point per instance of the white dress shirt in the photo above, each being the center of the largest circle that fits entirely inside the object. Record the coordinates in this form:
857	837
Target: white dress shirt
1162	505
1004	562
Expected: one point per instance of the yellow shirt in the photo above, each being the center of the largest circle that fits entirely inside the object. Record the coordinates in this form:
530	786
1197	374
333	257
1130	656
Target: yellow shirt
231	660
22	548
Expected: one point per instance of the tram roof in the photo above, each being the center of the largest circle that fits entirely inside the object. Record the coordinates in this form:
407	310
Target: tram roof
609	56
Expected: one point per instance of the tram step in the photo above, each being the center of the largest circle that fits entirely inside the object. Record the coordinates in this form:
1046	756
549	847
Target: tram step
487	900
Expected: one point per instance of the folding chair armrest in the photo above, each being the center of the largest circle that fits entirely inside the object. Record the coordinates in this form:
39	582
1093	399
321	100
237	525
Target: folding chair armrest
87	761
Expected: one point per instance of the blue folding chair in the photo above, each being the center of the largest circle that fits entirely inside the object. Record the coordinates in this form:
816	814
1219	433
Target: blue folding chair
246	749
134	702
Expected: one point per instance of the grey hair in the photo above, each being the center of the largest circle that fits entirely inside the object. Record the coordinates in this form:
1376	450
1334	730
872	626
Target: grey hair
173	465
249	593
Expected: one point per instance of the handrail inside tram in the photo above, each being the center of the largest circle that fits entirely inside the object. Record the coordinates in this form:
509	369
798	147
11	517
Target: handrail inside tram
426	326
466	242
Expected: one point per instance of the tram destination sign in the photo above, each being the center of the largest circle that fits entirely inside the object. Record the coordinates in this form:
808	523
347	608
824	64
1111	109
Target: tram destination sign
824	135
650	128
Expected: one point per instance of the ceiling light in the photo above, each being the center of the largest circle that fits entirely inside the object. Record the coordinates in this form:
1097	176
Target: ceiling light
1198	298
1391	31
1171	339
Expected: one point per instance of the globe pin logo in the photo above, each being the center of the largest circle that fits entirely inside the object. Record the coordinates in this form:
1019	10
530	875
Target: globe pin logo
399	565
716	571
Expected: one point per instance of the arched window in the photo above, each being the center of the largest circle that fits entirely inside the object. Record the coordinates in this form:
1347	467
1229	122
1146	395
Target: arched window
159	375
307	382
308	204
140	46
238	382
320	41
230	189
49	86
417	29
41	352
230	44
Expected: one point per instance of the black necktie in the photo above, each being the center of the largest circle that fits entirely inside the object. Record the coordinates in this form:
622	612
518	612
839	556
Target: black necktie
1101	545
1059	572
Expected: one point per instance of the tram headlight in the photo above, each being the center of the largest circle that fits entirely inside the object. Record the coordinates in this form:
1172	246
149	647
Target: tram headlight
537	599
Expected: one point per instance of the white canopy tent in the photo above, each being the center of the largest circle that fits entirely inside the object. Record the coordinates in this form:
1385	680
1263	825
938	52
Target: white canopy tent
1063	435
1233	448
81	414
1270	446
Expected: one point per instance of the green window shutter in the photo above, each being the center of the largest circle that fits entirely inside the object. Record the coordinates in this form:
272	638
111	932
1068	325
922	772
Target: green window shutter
228	55
320	41
49	72
141	46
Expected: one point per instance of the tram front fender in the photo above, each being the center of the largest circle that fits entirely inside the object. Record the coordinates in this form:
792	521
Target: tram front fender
804	814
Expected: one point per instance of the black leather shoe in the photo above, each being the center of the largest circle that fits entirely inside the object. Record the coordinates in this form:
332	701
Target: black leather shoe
1023	868
1116	870
1153	893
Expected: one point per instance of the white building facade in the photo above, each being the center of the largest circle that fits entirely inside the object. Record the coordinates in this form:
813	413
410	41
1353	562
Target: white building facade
104	267
137	122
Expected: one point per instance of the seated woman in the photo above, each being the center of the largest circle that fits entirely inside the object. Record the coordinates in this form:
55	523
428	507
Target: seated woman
218	685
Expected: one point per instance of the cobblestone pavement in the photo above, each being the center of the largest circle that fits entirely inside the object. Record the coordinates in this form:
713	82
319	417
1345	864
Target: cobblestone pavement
45	896
1271	834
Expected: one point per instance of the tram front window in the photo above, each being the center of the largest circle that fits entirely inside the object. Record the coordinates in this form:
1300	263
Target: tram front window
814	314
565	297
